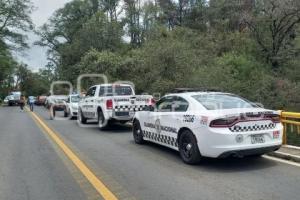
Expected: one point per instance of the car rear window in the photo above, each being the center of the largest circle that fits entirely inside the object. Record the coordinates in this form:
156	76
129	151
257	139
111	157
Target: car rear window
75	99
223	101
115	91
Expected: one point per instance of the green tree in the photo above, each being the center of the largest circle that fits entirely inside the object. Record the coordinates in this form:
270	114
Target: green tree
274	25
31	83
15	18
7	65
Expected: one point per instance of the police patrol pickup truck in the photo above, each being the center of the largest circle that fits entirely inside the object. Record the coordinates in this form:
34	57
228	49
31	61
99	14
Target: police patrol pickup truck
108	103
210	124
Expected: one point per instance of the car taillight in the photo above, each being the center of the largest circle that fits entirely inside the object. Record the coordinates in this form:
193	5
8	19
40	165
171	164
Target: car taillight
276	134
274	117
224	122
151	101
109	104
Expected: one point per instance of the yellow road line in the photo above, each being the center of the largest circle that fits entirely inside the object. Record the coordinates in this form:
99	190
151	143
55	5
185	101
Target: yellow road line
91	177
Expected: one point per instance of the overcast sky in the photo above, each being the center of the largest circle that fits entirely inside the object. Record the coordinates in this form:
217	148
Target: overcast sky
35	57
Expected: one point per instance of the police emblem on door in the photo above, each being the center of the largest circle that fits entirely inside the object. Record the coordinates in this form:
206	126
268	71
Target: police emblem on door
157	126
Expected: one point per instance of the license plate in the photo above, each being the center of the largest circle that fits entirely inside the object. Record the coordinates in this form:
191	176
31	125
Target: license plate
257	139
122	114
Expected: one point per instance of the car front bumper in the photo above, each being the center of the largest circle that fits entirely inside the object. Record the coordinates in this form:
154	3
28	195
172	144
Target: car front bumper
74	113
14	101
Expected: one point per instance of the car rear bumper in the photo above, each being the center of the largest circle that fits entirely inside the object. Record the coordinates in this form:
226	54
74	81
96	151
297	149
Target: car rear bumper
122	115
249	152
59	107
220	144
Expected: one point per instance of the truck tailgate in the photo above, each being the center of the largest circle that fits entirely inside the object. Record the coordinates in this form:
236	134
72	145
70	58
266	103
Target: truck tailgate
132	103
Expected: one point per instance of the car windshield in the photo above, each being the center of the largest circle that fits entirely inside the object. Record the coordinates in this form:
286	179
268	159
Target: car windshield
75	99
223	101
115	91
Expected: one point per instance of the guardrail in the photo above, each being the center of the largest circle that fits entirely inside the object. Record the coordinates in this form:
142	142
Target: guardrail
291	119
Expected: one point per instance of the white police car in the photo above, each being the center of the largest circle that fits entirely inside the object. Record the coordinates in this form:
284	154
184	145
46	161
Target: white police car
71	106
209	124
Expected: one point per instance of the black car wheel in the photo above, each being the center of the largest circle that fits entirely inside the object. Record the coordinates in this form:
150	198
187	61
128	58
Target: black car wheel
81	118
66	114
102	122
188	148
138	133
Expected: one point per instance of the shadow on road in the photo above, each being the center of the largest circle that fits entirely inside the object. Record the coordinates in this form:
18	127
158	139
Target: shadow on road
114	129
224	165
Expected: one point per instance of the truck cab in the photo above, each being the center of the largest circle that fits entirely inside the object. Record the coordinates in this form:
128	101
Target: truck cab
14	98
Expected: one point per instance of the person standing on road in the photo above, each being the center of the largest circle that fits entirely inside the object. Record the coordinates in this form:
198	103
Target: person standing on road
22	102
31	103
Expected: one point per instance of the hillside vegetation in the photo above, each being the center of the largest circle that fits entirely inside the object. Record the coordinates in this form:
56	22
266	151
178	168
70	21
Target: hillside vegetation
247	47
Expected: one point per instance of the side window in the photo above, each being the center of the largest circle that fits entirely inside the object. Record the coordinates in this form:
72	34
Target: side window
91	92
101	91
180	104
165	104
105	91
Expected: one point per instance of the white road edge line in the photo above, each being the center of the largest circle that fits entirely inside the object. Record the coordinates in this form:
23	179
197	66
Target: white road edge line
282	161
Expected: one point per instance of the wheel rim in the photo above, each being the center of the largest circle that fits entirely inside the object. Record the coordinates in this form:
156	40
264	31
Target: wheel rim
137	131
187	147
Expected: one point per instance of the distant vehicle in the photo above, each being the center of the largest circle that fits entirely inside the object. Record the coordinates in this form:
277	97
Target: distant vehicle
14	98
57	100
40	100
56	103
108	103
209	124
5	101
71	106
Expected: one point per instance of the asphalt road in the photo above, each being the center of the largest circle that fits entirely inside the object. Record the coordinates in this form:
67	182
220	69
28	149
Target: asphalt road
33	167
